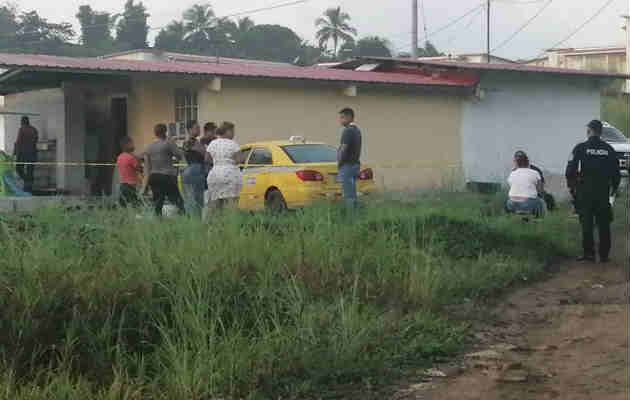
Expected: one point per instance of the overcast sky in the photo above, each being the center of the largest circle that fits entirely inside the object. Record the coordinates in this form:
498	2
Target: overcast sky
391	19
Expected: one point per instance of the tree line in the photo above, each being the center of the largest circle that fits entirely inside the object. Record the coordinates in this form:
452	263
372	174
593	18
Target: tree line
198	31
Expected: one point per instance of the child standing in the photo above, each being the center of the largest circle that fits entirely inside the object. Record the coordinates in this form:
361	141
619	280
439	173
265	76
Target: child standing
128	169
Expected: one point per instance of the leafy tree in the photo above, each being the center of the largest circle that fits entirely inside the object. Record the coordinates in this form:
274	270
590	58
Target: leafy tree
272	43
8	25
334	25
429	50
37	34
373	46
132	29
172	37
236	32
95	27
310	54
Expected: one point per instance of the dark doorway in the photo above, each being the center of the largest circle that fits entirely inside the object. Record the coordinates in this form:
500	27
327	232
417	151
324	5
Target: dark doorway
119	122
106	141
112	148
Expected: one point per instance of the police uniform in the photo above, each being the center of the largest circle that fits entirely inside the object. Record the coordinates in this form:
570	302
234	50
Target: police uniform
593	175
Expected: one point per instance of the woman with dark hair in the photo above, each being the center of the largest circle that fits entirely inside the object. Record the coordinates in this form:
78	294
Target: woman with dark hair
161	171
525	187
209	131
225	180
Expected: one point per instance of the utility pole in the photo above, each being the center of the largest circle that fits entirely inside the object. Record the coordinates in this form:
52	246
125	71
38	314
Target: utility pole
414	29
627	19
488	32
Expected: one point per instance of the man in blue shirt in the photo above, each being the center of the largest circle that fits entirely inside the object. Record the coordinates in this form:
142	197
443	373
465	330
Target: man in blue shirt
349	157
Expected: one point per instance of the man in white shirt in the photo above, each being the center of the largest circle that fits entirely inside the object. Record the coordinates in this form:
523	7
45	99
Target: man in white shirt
525	187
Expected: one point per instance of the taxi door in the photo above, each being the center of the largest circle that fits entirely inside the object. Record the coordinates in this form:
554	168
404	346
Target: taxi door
243	157
256	178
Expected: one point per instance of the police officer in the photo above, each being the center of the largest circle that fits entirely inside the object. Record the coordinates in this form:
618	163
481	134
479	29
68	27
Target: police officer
593	175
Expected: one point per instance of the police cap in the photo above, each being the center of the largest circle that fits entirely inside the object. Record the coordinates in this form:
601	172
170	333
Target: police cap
595	125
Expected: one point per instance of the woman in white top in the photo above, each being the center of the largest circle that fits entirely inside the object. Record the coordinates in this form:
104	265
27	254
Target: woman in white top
525	187
225	180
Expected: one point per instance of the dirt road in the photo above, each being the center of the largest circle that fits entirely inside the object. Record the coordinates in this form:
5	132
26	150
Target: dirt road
566	338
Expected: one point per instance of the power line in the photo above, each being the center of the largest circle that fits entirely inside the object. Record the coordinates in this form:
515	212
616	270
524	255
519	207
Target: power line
444	27
522	27
579	28
466	28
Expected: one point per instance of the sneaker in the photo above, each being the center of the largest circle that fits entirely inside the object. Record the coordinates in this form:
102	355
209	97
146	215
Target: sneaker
586	259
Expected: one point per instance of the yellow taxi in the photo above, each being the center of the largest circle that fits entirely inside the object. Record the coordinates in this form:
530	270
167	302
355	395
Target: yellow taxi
292	174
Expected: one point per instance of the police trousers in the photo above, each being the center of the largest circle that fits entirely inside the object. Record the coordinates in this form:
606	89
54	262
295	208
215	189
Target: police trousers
595	210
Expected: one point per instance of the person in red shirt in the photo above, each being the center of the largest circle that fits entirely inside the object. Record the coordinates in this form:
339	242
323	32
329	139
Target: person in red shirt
25	150
128	169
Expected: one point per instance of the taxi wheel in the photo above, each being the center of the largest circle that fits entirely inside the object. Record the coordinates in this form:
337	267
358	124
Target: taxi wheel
275	201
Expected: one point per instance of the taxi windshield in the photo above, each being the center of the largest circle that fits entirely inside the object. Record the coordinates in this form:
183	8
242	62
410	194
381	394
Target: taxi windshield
610	134
311	153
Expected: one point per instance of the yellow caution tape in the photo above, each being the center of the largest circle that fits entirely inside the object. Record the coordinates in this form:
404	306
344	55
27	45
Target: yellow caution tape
388	165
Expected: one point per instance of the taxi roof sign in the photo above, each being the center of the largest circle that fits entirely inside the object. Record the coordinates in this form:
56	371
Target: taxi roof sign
294	139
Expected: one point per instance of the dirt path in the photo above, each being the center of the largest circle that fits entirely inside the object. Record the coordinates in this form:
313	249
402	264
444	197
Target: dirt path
566	338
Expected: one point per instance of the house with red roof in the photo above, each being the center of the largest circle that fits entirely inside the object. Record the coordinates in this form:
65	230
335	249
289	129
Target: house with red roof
424	122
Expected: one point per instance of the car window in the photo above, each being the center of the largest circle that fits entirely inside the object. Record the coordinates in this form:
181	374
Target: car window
311	153
243	156
610	134
261	157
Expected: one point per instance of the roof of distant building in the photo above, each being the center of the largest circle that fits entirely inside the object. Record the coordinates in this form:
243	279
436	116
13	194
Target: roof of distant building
30	62
513	67
185	57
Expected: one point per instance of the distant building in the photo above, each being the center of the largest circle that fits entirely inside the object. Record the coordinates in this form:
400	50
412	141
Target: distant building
599	59
160	55
477	58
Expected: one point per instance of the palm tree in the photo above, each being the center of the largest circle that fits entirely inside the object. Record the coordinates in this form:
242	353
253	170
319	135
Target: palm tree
334	25
200	24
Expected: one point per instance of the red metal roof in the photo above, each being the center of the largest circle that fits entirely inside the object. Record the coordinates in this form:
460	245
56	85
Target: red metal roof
503	67
94	65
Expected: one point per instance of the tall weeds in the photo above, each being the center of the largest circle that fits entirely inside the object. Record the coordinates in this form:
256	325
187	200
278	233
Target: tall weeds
101	305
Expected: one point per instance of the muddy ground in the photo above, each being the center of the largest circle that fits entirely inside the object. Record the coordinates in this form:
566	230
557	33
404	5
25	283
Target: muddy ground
565	338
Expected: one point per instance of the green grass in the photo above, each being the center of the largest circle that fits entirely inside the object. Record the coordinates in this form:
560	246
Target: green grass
100	305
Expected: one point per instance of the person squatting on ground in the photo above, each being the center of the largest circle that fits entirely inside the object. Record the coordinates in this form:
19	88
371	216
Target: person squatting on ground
161	171
593	175
25	150
225	180
128	169
349	157
525	188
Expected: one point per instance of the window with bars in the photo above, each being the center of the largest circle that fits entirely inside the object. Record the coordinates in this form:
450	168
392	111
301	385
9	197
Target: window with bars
186	105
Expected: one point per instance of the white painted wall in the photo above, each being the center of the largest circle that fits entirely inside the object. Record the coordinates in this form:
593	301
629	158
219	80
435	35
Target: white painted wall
48	103
545	116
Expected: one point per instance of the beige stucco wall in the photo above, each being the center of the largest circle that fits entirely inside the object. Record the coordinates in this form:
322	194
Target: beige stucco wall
399	126
614	62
